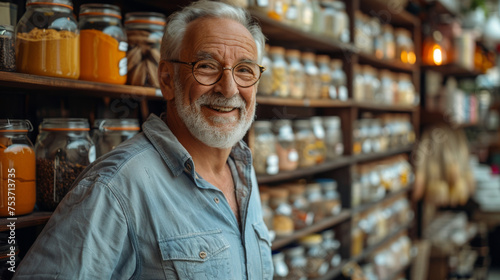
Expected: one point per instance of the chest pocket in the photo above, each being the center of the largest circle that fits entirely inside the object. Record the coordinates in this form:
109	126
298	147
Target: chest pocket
265	249
201	255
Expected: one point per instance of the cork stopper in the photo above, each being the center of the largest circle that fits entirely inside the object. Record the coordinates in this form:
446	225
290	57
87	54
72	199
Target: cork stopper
309	56
323	59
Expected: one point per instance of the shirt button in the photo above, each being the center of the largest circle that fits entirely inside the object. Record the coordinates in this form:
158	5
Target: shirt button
216	200
203	254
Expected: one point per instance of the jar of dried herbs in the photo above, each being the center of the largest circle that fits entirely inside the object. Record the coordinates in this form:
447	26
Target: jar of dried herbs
265	159
317	265
7	48
63	149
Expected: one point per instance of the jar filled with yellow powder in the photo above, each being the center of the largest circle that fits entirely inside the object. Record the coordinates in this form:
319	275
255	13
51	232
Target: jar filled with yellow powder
47	40
103	44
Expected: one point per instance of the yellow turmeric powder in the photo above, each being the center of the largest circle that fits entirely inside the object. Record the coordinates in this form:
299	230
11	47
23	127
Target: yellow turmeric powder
48	52
102	58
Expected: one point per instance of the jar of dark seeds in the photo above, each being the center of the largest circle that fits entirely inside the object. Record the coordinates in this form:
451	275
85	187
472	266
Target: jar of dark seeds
7	48
63	149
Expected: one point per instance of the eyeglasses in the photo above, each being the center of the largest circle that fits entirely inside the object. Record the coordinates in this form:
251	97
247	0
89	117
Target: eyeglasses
209	71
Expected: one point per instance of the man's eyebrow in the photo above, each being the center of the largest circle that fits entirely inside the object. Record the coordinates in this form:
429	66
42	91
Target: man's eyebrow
206	55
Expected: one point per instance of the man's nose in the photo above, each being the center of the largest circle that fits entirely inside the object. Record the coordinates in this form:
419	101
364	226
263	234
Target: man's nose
227	85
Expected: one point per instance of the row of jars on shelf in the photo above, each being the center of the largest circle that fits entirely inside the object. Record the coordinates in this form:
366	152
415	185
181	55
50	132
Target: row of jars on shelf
285	145
371	227
373	181
382	40
49	41
385	132
389	260
383	86
290	73
44	173
293	206
326	17
312	256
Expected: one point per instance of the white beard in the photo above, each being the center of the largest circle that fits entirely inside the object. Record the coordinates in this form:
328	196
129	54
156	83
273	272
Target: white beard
227	131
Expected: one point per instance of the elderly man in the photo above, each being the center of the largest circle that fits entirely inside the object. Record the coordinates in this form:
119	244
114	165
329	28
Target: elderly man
180	200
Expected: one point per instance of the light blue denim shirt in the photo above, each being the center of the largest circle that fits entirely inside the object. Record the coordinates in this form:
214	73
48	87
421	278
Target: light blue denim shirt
142	212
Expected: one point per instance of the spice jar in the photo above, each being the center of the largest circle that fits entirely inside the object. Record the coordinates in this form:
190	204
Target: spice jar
338	80
285	145
331	247
305	143
331	198
341	22
103	44
333	137
386	86
301	214
312	78
7	48
296	262
316	202
280	268
356	138
282	219
406	90
265	159
280	72
325	75
319	133
265	86
405	49
389	41
315	254
63	149
17	168
144	33
359	84
47	40
296	73
109	133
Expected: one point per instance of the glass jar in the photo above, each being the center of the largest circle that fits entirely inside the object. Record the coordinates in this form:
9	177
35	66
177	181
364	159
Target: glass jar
296	75
47	40
306	15
312	78
280	72
301	214
364	135
405	49
357	240
378	38
316	202
356	138
369	83
375	129
17	168
319	133
144	33
331	198
282	216
265	86
63	149
386	87
265	159
389	41
317	24
267	212
331	247
406	90
315	254
341	22
329	15
356	187
7	48
359	84
325	74
305	142
333	137
338	80
285	145
296	262
280	268
103	44
109	133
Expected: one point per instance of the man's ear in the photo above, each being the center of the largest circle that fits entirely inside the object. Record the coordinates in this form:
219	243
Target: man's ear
166	77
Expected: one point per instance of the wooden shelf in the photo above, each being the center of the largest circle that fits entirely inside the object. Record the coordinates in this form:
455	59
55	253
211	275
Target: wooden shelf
455	70
319	226
376	156
68	86
367	206
34	219
394	65
284	34
388	13
324	103
384	107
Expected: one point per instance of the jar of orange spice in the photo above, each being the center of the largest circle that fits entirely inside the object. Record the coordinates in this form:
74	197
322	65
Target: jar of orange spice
17	168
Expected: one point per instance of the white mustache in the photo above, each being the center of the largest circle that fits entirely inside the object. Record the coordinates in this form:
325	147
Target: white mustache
217	100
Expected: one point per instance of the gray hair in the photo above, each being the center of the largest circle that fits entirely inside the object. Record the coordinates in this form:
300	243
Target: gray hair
177	23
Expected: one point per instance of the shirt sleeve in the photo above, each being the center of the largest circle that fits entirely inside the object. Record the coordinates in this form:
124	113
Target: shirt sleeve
87	237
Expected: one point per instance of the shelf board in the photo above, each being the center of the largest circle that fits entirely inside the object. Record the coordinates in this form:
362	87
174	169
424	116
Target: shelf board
388	13
391	64
319	226
69	86
367	206
325	103
33	219
453	70
385	107
375	156
302	172
292	37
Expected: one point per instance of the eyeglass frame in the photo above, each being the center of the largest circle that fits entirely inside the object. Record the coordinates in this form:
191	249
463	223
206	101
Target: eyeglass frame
192	64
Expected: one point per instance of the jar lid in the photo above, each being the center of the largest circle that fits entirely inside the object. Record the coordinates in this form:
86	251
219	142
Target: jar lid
145	17
323	58
14	125
100	10
64	124
62	3
309	56
117	124
311	239
7	27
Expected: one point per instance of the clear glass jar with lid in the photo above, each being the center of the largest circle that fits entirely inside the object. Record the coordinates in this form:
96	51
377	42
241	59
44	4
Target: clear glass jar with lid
325	74
47	40
144	33
406	90
265	87
369	83
386	86
329	15
319	133
7	48
265	159
296	75
103	44
405	48
63	149
341	22
281	270
317	264
285	145
282	218
312	78
17	168
331	197
109	133
301	214
296	262
364	135
339	81
359	84
331	247
316	202
333	137
389	41
375	132
280	72
305	142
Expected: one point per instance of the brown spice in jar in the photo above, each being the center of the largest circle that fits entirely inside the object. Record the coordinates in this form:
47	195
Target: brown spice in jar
143	59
